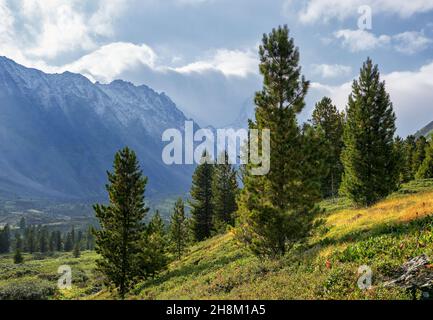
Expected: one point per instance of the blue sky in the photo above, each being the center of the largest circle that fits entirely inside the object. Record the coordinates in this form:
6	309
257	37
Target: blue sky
203	53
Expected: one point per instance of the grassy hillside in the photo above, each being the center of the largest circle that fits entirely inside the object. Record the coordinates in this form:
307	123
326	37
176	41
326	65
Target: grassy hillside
324	267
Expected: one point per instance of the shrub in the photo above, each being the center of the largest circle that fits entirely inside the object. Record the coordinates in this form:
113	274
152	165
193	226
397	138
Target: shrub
27	290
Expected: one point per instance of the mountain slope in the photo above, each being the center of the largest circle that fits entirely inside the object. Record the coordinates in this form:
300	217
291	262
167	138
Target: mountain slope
426	131
59	133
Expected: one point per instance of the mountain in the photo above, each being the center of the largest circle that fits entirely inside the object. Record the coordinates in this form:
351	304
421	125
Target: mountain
426	131
59	133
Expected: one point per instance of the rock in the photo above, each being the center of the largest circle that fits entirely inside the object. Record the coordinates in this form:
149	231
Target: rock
414	274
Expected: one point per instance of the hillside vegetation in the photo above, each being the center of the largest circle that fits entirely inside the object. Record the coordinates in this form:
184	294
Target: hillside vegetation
325	266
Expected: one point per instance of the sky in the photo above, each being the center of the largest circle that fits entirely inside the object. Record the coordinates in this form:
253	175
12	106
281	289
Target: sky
204	53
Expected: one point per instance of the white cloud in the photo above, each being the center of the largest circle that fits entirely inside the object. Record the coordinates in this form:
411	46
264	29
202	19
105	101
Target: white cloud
331	70
229	62
411	42
109	61
361	40
325	10
411	93
48	29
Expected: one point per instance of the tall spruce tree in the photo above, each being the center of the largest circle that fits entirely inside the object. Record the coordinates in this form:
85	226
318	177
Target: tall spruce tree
278	209
327	118
178	232
419	154
154	248
224	193
370	163
201	201
122	227
425	171
409	149
5	239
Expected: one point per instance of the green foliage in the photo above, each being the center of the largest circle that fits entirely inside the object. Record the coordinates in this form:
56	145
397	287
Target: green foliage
327	118
27	290
178	232
370	162
18	257
224	192
201	201
5	239
277	209
426	169
119	242
419	154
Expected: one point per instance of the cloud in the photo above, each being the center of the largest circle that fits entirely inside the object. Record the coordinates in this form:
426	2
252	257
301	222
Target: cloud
47	29
411	93
326	10
228	62
109	61
331	70
361	40
411	42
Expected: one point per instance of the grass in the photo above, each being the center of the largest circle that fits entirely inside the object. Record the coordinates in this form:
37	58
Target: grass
324	267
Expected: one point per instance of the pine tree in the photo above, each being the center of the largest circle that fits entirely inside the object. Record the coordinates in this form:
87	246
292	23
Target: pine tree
201	199
278	209
327	118
90	240
69	244
122	227
18	257
77	250
224	193
409	149
419	155
5	239
22	224
58	241
153	258
179	233
370	163
426	169
43	240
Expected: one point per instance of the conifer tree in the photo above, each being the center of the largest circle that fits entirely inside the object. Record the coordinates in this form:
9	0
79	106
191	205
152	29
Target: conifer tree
278	209
122	227
77	250
419	155
201	201
22	224
5	239
153	257
69	244
409	149
370	163
327	118
224	193
18	257
179	233
426	169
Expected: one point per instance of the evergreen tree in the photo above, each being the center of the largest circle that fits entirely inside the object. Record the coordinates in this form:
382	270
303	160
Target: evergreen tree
201	199
43	240
153	258
179	234
419	155
278	209
224	193
90	240
122	227
18	257
58	241
400	154
22	224
30	239
409	149
327	118
370	163
77	250
69	244
426	169
5	239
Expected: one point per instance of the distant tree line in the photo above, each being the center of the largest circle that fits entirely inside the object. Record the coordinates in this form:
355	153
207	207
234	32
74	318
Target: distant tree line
39	239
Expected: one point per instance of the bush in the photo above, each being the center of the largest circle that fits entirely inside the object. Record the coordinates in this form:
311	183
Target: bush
27	290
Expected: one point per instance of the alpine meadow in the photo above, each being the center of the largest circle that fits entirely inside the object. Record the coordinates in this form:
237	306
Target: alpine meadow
320	188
